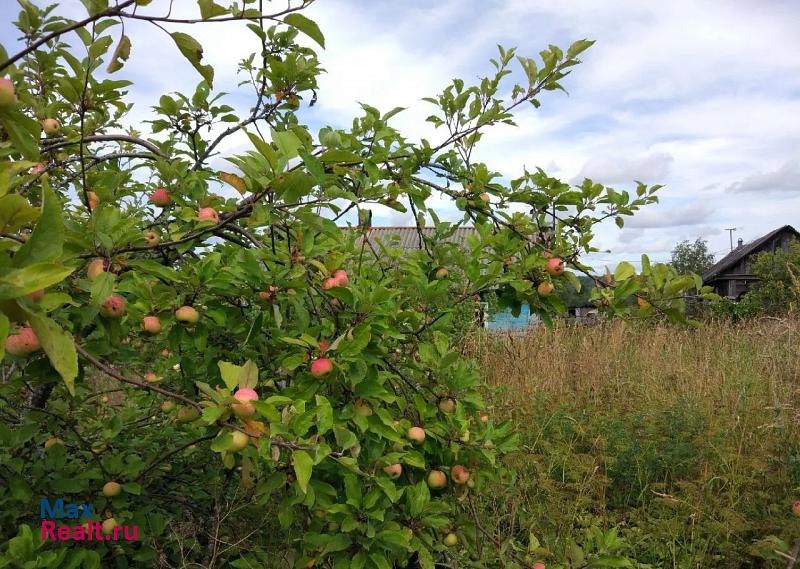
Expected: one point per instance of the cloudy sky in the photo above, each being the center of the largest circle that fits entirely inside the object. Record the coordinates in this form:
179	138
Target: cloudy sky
703	97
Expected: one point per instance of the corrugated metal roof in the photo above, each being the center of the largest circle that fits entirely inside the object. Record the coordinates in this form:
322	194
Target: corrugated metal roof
407	238
740	252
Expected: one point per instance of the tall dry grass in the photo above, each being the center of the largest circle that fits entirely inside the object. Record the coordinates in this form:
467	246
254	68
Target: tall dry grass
686	439
723	366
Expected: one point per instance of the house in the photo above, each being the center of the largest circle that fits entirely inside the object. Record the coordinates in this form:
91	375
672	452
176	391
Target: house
407	239
732	275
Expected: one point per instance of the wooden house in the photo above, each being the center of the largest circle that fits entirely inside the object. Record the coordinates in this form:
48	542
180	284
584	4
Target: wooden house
732	275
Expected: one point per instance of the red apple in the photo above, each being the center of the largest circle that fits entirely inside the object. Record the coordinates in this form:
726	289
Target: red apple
484	418
545	288
113	307
50	126
459	474
151	324
485	198
152	238
207	214
329	283
796	508
167	406
111	489
324	346
160	197
246	394
437	479
187	314
321	367
416	434
442	273
538	565
39	169
96	268
22	344
555	266
642	302
8	95
447	405
393	470
341	276
150	377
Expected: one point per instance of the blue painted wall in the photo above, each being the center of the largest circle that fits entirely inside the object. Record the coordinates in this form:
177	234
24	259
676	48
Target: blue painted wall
504	320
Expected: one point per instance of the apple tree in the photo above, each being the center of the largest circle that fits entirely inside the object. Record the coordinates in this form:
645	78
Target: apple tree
204	345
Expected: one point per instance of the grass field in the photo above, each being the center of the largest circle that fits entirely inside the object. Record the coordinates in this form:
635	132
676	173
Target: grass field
665	446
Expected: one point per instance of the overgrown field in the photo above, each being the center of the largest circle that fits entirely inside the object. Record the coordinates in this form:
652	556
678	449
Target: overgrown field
683	442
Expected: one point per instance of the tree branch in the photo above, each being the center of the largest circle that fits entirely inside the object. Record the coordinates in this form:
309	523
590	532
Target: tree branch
74	26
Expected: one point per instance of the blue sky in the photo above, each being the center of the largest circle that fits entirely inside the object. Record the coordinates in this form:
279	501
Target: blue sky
703	97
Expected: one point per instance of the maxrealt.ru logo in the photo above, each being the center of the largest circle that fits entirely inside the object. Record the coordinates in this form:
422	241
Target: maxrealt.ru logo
85	528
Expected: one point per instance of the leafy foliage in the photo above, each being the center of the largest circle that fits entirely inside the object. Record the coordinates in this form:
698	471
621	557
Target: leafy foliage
103	226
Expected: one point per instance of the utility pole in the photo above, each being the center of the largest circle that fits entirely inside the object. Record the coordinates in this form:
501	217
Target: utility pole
730	234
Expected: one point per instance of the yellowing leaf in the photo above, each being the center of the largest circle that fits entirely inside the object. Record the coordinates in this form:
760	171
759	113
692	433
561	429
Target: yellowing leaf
122	53
234	180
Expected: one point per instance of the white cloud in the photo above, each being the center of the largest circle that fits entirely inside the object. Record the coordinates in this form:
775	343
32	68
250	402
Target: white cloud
784	179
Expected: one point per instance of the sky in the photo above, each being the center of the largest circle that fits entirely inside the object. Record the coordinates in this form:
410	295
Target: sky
703	97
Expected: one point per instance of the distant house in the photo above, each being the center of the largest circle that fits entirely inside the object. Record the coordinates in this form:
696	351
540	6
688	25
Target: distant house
407	239
732	275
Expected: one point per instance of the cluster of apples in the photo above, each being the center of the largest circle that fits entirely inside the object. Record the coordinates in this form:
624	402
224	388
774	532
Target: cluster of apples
8	99
554	267
338	278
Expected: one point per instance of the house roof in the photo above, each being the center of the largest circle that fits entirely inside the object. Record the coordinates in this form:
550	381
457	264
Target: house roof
407	238
740	253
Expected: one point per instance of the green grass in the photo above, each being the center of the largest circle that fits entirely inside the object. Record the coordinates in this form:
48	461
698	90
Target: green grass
687	442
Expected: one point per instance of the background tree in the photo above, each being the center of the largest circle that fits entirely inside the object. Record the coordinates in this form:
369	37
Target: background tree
692	257
777	290
228	369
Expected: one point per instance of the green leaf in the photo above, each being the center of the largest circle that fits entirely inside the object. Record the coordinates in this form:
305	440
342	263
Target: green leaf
302	463
47	240
31	278
624	271
15	211
9	169
59	347
308	27
209	9
579	47
193	51
102	287
287	142
249	375
95	6
230	374
23	133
